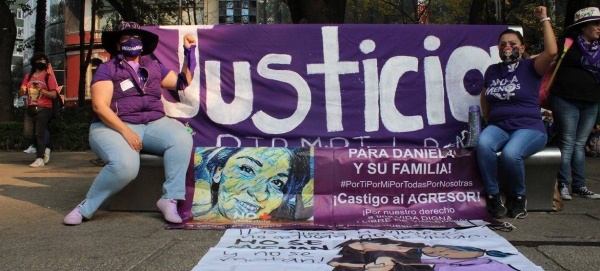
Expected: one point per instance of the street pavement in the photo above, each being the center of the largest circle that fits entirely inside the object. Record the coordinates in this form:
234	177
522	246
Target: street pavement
34	201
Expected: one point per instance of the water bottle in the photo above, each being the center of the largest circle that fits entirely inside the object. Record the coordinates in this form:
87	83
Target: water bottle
474	126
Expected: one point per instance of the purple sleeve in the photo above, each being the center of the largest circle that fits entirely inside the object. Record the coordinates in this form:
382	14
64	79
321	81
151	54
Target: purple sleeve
190	59
163	71
102	74
190	55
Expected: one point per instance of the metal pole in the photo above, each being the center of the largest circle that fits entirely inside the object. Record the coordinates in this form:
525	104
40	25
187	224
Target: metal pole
180	13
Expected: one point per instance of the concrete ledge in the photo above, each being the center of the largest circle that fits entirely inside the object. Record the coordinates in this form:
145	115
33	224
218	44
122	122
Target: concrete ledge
540	177
143	192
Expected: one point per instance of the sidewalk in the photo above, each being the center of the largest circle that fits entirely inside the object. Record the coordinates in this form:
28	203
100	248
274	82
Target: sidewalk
33	202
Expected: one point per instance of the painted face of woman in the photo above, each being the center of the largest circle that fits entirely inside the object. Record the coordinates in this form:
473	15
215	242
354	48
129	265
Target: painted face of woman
509	48
252	181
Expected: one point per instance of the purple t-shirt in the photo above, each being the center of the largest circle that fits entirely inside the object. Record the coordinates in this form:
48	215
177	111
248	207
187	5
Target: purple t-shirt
512	93
102	73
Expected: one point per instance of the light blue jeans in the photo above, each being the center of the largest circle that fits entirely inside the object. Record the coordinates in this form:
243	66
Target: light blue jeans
574	121
515	146
165	136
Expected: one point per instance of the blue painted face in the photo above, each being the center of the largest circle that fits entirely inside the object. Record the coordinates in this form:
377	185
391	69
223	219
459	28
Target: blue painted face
252	182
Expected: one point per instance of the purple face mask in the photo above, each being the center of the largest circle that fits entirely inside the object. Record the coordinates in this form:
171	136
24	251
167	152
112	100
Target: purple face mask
131	48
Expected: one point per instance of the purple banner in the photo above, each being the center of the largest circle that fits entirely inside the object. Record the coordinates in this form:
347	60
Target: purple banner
310	96
329	86
334	188
398	188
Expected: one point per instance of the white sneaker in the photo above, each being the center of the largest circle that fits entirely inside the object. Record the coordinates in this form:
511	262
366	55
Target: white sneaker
31	149
39	162
47	156
564	192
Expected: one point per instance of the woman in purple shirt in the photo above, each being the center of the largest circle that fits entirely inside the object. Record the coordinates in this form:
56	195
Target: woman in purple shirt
126	97
510	105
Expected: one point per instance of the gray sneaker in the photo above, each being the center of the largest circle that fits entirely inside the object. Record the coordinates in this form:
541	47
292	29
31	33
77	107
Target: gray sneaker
564	192
584	192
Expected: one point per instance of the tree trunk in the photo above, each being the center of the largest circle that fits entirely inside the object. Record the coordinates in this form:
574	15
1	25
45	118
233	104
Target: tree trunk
8	31
317	11
39	44
194	12
475	13
126	10
82	67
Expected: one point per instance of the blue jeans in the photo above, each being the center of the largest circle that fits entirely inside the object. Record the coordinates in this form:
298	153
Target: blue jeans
515	146
165	136
573	122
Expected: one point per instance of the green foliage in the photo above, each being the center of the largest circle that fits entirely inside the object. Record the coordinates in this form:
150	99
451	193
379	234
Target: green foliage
69	136
67	132
11	135
158	12
449	11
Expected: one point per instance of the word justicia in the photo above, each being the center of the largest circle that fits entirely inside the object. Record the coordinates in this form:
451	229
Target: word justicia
444	81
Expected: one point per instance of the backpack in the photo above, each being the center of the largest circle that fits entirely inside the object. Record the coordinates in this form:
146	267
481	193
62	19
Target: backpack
548	77
57	102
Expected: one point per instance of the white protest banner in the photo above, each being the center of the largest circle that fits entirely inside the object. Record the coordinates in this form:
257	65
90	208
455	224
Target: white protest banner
477	248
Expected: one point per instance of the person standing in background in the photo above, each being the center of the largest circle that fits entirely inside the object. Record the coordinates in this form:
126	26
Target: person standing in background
574	100
40	90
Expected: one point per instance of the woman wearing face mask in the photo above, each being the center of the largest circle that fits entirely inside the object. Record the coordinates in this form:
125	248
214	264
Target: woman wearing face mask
574	100
40	92
126	98
510	105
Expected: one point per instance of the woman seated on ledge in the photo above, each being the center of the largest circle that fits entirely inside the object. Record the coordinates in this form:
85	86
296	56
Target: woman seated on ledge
126	97
510	104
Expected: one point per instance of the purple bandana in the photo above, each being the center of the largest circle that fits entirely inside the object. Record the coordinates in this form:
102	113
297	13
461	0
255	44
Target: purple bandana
591	58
